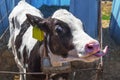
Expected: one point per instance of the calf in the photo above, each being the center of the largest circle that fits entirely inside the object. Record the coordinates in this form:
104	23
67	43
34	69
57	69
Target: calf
64	35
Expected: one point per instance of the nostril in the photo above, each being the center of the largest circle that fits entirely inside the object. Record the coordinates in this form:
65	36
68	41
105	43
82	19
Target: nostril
89	46
92	47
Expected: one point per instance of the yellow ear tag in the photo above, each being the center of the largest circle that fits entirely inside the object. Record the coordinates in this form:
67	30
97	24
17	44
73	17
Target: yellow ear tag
37	33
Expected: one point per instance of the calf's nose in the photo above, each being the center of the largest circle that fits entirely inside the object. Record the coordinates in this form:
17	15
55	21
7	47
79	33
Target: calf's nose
92	47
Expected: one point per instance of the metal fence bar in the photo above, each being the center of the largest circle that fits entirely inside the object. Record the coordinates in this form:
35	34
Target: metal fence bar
1	37
5	16
36	73
11	72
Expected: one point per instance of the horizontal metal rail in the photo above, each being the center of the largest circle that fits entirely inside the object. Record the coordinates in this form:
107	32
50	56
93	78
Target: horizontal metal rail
37	73
11	72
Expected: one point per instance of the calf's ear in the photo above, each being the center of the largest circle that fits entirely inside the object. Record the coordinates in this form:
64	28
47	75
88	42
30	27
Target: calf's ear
37	21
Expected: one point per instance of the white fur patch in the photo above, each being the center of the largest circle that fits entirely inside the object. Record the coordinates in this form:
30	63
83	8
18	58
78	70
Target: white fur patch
22	9
80	38
19	15
28	41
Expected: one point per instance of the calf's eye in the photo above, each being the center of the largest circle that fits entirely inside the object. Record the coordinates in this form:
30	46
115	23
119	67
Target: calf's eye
59	29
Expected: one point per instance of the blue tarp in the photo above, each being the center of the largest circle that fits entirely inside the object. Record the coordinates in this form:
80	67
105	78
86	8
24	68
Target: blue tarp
39	3
86	10
115	21
7	5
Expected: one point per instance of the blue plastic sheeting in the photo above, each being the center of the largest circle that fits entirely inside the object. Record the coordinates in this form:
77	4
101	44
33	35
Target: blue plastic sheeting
115	21
39	3
5	8
7	5
86	10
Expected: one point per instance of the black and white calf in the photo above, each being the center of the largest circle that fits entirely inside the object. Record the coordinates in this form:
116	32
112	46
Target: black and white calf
66	39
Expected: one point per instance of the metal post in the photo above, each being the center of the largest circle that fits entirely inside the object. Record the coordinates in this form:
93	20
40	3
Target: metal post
99	74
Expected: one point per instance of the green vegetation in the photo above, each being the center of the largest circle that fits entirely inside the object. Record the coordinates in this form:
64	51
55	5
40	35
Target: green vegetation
105	17
106	13
106	10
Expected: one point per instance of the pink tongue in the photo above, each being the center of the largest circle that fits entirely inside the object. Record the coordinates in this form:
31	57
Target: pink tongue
102	53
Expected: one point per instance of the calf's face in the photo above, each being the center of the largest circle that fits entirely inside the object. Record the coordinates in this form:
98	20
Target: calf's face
67	39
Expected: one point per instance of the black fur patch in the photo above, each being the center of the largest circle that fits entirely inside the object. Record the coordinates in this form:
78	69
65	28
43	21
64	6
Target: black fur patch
18	40
34	62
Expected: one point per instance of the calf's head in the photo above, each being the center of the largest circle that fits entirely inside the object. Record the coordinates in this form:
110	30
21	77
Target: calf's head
66	37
